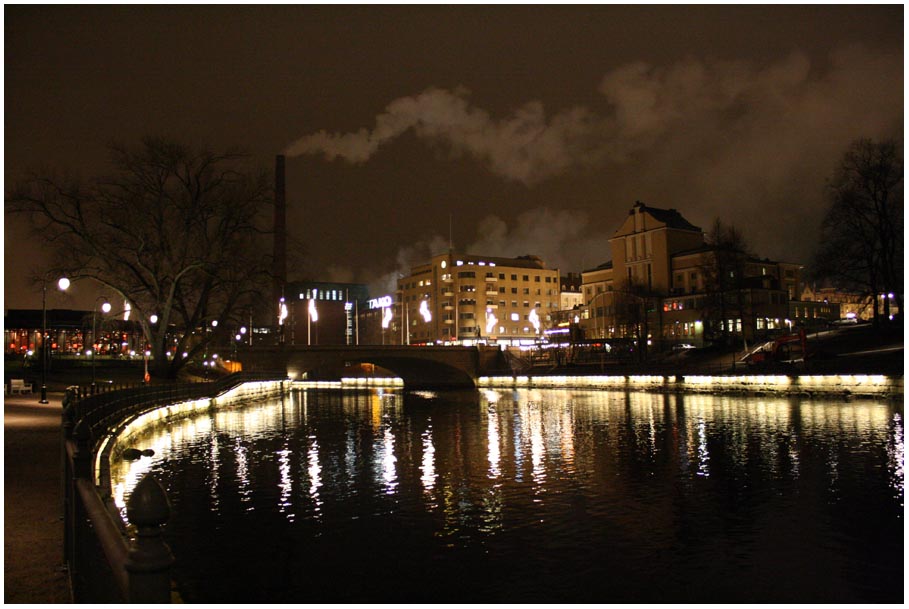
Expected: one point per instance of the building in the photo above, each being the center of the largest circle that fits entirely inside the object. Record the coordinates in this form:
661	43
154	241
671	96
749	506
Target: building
71	333
665	284
321	313
852	305
469	299
571	293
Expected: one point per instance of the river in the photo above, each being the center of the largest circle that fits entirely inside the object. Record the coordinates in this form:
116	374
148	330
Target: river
533	496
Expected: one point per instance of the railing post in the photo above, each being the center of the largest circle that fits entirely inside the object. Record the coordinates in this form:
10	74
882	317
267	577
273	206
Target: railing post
82	457
67	481
149	560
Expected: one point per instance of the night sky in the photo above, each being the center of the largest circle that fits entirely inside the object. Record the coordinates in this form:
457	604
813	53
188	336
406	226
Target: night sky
534	129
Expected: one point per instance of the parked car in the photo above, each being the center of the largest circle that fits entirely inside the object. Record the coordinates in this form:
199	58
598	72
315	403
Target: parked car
682	347
846	321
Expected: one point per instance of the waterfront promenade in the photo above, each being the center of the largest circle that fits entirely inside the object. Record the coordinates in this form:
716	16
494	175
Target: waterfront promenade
33	529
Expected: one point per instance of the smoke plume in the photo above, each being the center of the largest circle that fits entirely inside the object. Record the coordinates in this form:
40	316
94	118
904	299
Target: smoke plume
706	104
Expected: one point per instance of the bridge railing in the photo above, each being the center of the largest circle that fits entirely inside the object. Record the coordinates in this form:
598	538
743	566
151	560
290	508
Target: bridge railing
107	560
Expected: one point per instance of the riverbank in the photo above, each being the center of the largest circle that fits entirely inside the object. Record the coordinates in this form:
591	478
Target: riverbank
843	385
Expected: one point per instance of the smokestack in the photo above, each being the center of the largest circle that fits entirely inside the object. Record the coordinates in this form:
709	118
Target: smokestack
279	271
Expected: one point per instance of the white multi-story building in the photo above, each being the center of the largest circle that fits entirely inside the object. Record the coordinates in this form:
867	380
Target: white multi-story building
469	299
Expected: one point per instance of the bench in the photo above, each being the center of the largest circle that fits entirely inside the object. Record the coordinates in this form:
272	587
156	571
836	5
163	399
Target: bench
19	386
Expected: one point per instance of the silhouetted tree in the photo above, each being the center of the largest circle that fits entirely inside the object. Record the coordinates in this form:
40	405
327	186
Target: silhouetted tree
724	276
175	232
861	244
633	303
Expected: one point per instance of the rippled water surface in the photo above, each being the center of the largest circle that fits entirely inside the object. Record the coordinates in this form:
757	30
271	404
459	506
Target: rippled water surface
533	496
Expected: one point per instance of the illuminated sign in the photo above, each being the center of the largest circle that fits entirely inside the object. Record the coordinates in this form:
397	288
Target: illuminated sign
380	303
386	317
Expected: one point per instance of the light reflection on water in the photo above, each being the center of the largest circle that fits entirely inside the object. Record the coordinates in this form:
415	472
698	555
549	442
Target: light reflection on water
596	489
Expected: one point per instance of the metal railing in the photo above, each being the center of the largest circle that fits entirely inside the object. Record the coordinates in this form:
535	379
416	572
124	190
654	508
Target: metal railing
107	560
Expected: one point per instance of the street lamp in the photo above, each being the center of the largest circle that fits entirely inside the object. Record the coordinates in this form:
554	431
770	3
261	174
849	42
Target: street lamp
312	316
105	308
62	285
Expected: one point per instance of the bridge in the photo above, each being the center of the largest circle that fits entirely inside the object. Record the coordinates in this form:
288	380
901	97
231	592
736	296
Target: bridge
432	367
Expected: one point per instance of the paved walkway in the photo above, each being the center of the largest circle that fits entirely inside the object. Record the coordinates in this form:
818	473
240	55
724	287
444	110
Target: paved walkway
33	529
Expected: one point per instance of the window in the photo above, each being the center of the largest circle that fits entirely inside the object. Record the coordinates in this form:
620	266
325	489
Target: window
514	277
514	290
536	279
526	291
501	275
501	289
526	277
467	274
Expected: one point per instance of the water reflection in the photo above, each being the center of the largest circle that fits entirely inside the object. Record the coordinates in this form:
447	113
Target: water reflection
428	467
570	467
540	429
895	454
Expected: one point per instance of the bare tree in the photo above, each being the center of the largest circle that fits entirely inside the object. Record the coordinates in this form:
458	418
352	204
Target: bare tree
724	276
633	304
862	234
175	232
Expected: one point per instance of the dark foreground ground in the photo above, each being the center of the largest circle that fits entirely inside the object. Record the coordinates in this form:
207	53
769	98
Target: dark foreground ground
32	528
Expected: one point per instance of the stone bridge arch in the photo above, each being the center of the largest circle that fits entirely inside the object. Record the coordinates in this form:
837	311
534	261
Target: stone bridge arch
419	367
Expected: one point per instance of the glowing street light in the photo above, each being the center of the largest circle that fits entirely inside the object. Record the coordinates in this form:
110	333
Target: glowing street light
312	316
62	285
105	308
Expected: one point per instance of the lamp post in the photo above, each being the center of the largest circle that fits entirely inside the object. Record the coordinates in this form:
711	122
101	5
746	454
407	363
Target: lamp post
312	316
62	285
105	308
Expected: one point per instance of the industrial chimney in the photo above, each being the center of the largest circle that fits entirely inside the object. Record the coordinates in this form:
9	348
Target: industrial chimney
279	270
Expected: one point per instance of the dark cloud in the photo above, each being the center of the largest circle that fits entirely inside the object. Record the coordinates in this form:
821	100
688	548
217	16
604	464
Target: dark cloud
748	142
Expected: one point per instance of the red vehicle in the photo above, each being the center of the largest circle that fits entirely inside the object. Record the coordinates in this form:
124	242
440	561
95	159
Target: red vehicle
789	348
